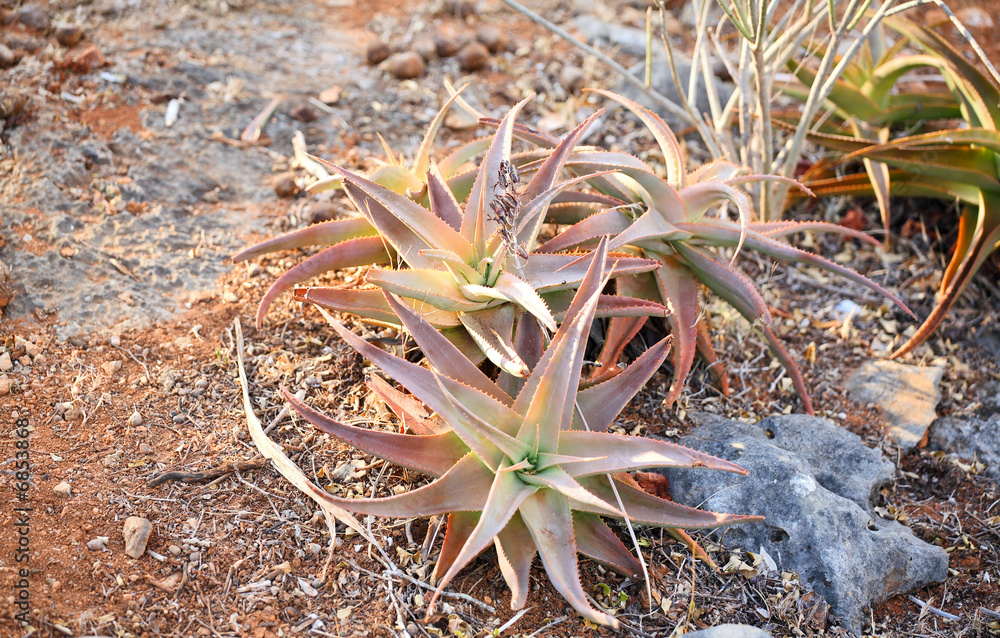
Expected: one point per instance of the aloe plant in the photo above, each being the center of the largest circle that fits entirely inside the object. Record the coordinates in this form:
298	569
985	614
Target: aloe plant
464	268
955	164
531	471
667	220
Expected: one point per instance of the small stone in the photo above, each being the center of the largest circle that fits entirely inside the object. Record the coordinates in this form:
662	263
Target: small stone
408	65
41	359
378	52
331	95
425	48
446	45
179	418
5	363
201	384
230	297
63	489
974	17
906	394
115	340
318	212
7	57
25	360
4	386
314	548
460	8
69	35
303	113
33	16
174	550
194	557
285	186
146	449
572	78
254	269
73	413
97	544
32	349
111	367
473	57
135	420
136	532
493	38
88	59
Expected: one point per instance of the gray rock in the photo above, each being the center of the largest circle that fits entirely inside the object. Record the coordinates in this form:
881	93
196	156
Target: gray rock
34	16
906	394
730	631
975	435
633	41
813	483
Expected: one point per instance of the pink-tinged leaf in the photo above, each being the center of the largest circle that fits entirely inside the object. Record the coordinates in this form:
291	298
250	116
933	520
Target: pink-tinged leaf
654	192
442	354
680	292
515	551
491	329
489	439
462	183
422	159
465	487
528	344
779	250
506	495
451	164
620	453
390	228
595	540
442	200
547	173
620	331
719	169
548	396
601	403
431	229
434	454
413	414
547	516
430	387
551	273
532	215
700	197
646	509
651	225
460	271
353	252
525	133
435	287
729	283
707	352
669	146
580	197
608	306
370	303
608	222
790	366
460	525
784	229
476	227
568	213
325	233
558	479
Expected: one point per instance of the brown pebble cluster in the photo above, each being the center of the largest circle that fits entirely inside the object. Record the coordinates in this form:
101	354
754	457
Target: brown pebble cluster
471	52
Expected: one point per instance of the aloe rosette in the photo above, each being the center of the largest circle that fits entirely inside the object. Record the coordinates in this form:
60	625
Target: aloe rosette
532	471
953	165
460	272
667	220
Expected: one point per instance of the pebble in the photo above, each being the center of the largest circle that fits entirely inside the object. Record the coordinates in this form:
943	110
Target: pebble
33	16
446	45
408	65
473	57
4	386
146	449
330	95
97	544
136	533
572	78
111	367
7	57
377	52
201	384
5	363
493	38
230	297
303	113
285	186
41	359
135	420
253	270
69	35
425	48
174	550
318	212
179	418
73	414
63	489
195	557
115	340
25	360
460	8
32	349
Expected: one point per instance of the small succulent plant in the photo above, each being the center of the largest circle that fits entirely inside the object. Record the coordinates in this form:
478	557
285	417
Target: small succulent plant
529	472
467	270
667	220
